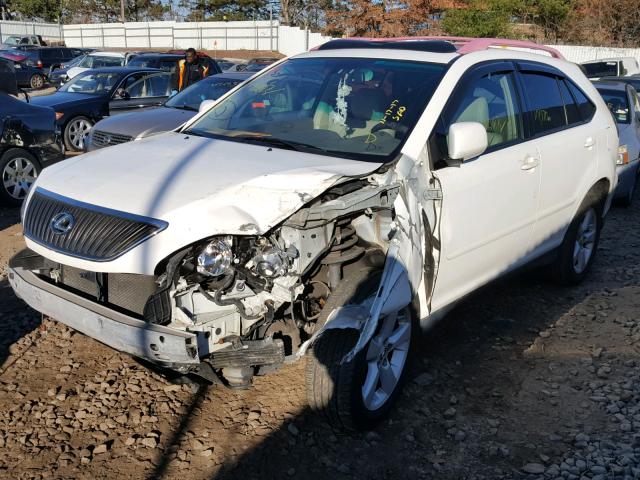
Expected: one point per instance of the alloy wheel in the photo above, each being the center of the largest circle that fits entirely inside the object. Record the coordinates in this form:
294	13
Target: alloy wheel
386	356
17	177
78	130
585	241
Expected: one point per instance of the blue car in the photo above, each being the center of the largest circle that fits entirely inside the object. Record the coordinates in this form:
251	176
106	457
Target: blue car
101	92
26	72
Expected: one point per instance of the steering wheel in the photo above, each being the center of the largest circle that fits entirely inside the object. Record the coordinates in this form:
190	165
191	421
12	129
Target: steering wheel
395	126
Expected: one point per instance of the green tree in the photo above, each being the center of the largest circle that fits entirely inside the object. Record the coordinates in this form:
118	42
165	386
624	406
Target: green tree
47	10
478	20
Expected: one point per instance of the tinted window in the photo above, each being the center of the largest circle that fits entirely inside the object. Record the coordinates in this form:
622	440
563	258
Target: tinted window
618	104
490	100
546	107
585	107
142	62
169	65
570	107
92	83
601	69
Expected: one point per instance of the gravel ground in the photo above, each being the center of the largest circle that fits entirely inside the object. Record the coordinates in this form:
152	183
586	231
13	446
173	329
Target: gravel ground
524	379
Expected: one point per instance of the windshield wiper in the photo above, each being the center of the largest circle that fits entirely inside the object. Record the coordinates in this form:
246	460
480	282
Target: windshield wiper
277	142
184	107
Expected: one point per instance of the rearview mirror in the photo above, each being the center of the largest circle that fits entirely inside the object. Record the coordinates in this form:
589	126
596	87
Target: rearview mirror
466	140
206	105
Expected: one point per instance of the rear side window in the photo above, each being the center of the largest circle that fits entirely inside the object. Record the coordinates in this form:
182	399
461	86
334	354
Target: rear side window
585	107
571	108
546	106
618	103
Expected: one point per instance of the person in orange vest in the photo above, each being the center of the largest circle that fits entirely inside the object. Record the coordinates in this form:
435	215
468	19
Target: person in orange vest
191	69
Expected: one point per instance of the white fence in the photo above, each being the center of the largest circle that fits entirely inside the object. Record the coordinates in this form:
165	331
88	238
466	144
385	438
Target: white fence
50	31
248	35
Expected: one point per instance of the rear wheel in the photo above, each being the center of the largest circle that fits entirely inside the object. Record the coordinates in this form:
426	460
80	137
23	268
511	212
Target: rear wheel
19	170
356	395
76	132
36	81
578	249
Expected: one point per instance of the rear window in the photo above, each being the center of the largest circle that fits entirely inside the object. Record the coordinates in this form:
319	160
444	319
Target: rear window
618	104
546	106
601	69
142	62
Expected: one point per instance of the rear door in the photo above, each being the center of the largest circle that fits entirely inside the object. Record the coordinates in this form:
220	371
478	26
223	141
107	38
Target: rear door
557	116
489	202
140	90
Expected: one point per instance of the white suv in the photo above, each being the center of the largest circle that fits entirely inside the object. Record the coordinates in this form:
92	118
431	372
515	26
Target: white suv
326	207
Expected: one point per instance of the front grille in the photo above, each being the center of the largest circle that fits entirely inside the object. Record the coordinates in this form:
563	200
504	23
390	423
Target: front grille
104	139
96	233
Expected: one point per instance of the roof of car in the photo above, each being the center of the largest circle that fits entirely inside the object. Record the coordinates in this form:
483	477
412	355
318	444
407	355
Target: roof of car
159	54
610	85
108	54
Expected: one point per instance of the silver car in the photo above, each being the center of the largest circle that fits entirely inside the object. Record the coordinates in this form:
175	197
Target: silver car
176	111
622	100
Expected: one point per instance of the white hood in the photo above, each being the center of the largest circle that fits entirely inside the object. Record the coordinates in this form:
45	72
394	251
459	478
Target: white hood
200	186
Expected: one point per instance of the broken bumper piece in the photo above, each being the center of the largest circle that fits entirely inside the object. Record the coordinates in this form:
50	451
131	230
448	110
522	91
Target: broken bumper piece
164	346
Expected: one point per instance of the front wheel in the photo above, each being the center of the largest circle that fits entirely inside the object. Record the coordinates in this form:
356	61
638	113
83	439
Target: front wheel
76	132
578	249
357	395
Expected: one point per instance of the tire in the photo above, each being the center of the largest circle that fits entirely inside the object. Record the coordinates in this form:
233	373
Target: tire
580	244
352	396
75	133
18	169
36	81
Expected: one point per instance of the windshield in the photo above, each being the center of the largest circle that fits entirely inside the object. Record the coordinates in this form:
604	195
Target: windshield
618	104
209	89
12	41
97	61
601	69
350	107
92	83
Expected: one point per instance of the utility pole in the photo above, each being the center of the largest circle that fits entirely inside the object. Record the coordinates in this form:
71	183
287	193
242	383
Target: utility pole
122	19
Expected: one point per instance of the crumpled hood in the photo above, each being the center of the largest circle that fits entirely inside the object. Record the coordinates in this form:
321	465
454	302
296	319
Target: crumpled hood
148	122
200	186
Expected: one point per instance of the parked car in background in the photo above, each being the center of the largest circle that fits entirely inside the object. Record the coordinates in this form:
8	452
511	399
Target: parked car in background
99	60
169	62
611	67
14	41
326	208
97	93
228	65
29	140
176	111
622	100
27	74
633	80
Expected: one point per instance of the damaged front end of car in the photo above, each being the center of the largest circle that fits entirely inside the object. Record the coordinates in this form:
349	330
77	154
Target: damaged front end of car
229	306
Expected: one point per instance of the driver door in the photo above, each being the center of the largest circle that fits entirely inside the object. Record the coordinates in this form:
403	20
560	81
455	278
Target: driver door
140	90
489	202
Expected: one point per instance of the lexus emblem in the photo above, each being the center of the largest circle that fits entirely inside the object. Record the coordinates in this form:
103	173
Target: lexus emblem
62	223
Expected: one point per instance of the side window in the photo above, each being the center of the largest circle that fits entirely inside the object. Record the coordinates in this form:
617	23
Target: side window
134	85
546	107
492	101
570	107
158	85
169	65
585	107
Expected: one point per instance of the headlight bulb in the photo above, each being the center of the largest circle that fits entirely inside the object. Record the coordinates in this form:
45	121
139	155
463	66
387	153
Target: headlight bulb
270	263
216	257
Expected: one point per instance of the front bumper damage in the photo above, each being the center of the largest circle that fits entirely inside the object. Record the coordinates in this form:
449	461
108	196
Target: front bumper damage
163	346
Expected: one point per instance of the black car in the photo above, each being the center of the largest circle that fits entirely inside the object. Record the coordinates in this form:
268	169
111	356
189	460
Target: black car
29	139
97	93
47	58
169	63
27	75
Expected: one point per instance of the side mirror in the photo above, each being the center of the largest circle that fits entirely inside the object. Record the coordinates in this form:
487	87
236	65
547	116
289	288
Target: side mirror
206	105
466	140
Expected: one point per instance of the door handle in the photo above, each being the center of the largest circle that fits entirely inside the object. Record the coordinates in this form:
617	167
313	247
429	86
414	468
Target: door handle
530	162
589	142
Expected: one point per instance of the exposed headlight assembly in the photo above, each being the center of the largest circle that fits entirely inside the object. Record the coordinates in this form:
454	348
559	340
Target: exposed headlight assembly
623	155
216	257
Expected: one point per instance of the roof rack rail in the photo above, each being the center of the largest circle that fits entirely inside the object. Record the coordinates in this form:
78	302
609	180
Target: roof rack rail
462	44
431	45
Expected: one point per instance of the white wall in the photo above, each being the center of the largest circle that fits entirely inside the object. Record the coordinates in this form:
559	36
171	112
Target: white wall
581	54
46	30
